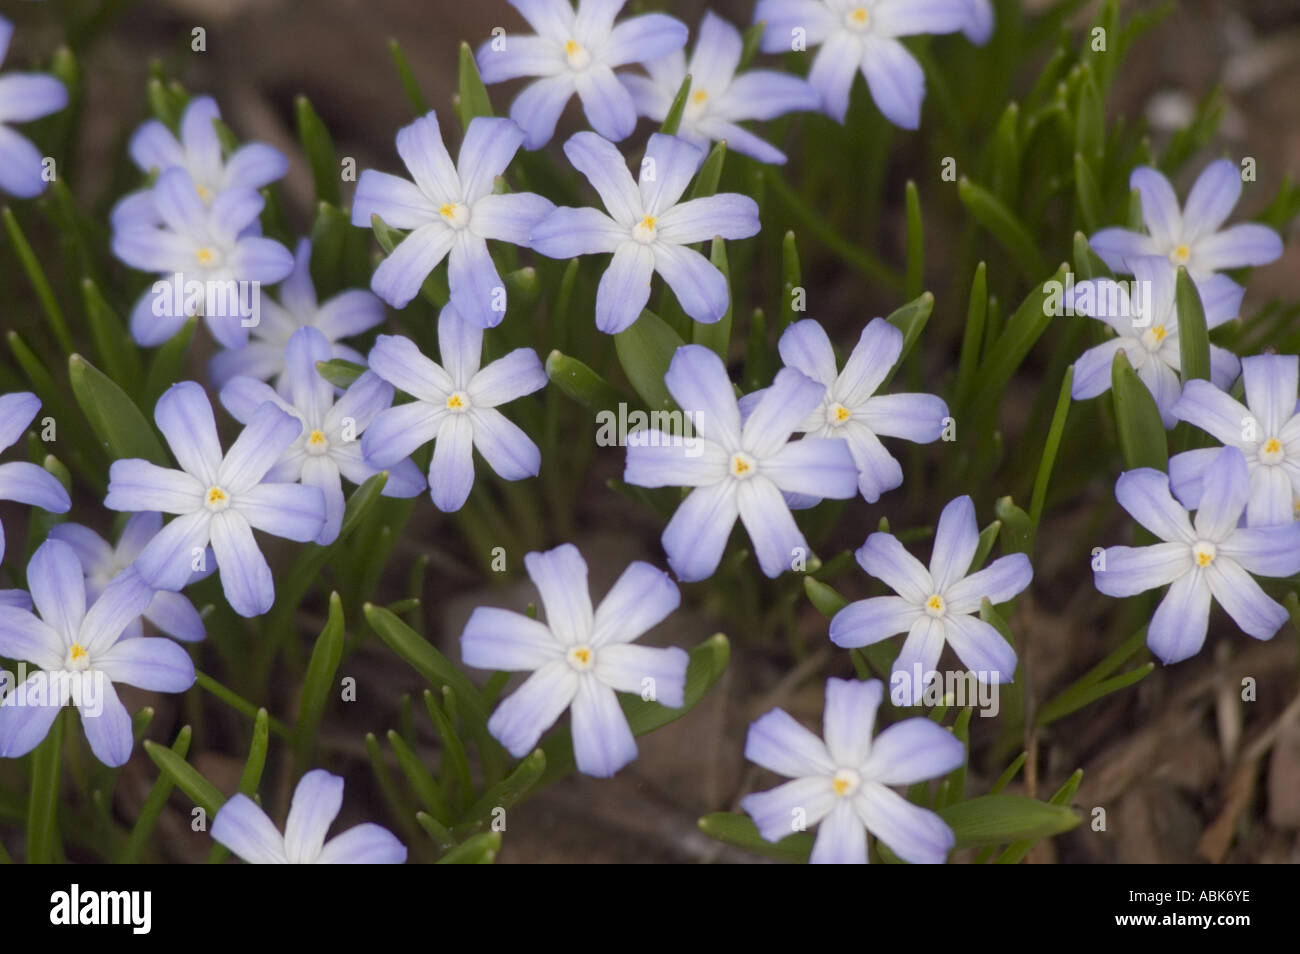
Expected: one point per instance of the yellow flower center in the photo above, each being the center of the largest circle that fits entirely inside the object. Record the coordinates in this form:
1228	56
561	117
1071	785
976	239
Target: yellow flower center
644	231
837	414
743	466
458	402
455	213
578	57
1181	254
78	659
1152	338
1272	451
700	96
217	499
204	193
1203	551
845	782
317	442
206	256
935	606
582	658
858	18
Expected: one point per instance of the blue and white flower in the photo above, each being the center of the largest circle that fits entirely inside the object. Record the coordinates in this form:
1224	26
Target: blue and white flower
20	480
737	471
1192	236
647	228
346	314
579	658
329	446
935	607
245	829
451	212
843	781
1266	430
861	35
212	261
155	149
102	562
576	52
456	407
24	97
979	23
81	653
217	499
1209	558
850	407
1146	330
720	100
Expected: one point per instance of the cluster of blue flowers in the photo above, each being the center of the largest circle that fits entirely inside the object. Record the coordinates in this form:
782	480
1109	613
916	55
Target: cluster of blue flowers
813	434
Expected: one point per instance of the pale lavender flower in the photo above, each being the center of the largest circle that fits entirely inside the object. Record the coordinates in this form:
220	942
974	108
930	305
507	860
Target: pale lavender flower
451	212
843	780
576	52
1266	429
346	314
1193	235
329	446
720	100
154	149
245	829
81	654
861	35
850	407
212	261
735	470
217	499
1146	329
1208	558
935	607
456	407
979	23
102	562
20	480
24	97
579	658
647	228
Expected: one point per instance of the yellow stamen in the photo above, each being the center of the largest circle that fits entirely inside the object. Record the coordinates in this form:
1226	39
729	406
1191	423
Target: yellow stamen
78	652
571	47
700	96
1182	253
205	256
860	16
1159	332
649	222
216	495
455	402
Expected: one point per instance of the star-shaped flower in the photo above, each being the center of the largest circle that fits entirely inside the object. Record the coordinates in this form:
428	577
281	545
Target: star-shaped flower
844	782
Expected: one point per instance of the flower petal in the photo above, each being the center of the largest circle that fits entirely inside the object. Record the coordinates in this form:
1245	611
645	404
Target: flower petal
849	718
669	165
246	830
509	377
915	834
777	539
806	347
697	380
262	442
654	674
791	807
1226	487
1160	209
981	648
366	844
640	599
697	533
149	662
1144	493
868	621
501	639
1242	598
245	576
912	751
780	744
624	289
184	415
316	803
530	710
24	723
918	661
896	80
698	284
108	730
606	102
560	576
510	452
728	215
398	278
956	539
1178	626
1210	202
538	107
568	233
1246	243
885	558
999	581
1132	570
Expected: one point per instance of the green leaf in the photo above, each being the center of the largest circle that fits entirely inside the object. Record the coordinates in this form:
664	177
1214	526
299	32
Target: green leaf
716	336
36	275
1050	448
824	597
791	282
673	119
116	350
407	78
481	849
1005	171
914	273
454	760
473	100
1090	126
165	369
197	788
757	355
122	430
1193	336
421	780
43	842
1004	226
751	39
1017	529
739	832
973	334
999	819
510	789
1085	190
706	180
581	383
318	683
910	319
988	537
154	803
1142	437
339	372
645	349
319	147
